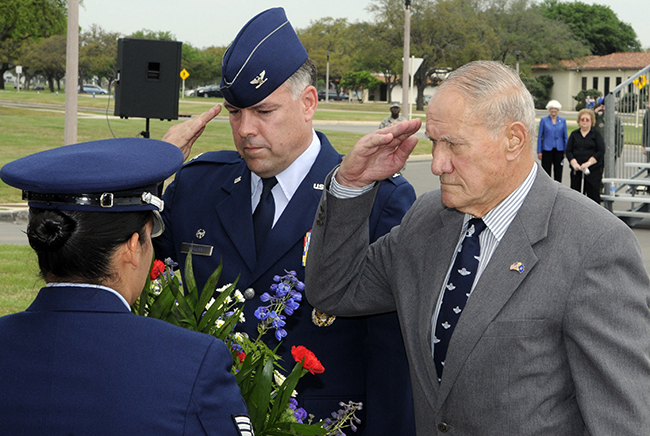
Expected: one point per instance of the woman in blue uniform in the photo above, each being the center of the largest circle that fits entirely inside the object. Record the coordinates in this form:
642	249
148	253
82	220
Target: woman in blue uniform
77	361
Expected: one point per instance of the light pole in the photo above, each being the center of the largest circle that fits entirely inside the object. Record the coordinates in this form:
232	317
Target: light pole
517	53
327	79
407	53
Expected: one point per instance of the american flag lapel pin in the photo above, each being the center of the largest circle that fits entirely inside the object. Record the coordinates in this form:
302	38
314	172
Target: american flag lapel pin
517	266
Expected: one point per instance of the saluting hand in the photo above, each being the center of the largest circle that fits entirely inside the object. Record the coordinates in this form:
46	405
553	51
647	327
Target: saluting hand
184	135
379	155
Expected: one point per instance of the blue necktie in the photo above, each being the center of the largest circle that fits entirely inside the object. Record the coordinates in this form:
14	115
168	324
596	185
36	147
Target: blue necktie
457	290
264	213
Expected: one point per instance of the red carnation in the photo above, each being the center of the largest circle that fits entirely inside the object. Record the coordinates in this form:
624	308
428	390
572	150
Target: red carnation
157	268
310	363
241	356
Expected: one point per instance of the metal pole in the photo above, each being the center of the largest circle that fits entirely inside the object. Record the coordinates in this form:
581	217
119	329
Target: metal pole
517	53
327	79
407	53
71	74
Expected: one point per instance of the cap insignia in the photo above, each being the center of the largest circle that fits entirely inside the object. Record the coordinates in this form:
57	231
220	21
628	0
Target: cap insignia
259	80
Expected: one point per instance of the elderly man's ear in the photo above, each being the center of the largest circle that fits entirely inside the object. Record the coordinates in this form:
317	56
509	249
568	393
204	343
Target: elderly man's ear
517	141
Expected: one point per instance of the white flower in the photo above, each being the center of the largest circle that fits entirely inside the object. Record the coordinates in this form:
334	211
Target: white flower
220	323
210	303
239	296
224	287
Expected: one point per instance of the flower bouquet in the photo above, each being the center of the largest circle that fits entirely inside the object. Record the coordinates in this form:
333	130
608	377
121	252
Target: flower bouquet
264	384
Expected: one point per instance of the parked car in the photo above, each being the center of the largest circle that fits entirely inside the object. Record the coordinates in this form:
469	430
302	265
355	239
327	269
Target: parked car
209	91
94	89
190	93
38	88
332	95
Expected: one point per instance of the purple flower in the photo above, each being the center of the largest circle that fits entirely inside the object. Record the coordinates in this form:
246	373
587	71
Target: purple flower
276	279
261	313
265	297
300	414
293	403
280	333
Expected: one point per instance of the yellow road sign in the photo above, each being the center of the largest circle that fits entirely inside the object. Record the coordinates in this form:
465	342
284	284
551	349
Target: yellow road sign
184	74
640	82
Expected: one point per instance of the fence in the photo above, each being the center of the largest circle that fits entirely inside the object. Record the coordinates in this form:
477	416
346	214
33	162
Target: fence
625	125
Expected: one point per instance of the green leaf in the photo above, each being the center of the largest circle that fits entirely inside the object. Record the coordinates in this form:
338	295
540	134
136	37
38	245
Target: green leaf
191	291
307	429
208	290
284	392
261	396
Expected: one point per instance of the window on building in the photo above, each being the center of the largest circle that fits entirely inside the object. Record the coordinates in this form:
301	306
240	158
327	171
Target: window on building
595	83
606	85
584	83
619	80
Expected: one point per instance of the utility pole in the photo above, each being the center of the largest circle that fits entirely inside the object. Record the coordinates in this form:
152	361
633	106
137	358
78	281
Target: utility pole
71	74
407	53
327	79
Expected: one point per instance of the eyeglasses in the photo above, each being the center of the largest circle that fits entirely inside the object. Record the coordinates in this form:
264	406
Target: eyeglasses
585	119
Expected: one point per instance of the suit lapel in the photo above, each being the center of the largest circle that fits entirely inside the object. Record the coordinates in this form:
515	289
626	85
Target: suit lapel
297	218
235	214
498	282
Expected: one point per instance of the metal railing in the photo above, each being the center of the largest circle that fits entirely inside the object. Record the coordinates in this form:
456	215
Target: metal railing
625	125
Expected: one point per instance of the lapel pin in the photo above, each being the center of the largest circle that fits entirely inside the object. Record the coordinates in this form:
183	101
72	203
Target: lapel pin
237	180
319	186
517	266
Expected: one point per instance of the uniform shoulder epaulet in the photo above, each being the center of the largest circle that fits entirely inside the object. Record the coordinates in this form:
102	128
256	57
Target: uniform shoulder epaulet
218	157
397	179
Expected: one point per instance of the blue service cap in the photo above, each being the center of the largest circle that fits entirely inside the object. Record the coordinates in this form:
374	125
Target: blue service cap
265	53
111	175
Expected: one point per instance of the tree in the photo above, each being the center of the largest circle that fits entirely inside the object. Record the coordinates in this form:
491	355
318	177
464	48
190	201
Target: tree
444	33
358	80
21	19
47	57
333	36
10	51
596	25
520	26
380	50
98	55
153	34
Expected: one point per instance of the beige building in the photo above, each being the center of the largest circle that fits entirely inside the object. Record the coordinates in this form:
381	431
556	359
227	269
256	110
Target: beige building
603	73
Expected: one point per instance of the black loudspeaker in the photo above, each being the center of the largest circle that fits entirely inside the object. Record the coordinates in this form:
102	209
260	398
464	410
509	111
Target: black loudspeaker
148	78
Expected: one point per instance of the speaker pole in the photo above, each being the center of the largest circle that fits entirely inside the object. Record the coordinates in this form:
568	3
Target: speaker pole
145	132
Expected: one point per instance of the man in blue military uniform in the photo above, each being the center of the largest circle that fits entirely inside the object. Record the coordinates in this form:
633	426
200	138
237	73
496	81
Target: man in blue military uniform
215	203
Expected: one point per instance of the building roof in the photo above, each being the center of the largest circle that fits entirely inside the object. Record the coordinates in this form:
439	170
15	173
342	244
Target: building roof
614	61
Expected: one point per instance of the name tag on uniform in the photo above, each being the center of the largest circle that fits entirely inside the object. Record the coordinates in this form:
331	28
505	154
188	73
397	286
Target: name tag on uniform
197	249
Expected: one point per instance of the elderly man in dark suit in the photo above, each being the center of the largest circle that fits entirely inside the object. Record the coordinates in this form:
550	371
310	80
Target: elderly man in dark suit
523	305
215	204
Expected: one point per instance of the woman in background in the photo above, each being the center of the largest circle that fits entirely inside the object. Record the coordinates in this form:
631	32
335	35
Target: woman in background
551	140
77	361
585	152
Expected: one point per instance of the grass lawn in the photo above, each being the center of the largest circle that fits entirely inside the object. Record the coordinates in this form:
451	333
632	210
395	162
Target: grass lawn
19	279
26	130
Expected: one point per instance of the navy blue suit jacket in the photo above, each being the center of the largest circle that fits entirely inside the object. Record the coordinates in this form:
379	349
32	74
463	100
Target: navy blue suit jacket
78	362
209	203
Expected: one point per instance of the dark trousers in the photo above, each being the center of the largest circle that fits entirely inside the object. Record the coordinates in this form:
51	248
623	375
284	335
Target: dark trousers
591	183
553	159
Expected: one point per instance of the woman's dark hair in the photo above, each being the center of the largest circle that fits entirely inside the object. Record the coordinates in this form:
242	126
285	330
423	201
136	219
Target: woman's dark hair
74	245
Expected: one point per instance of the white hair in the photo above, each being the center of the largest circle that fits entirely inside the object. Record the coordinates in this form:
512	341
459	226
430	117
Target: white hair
496	94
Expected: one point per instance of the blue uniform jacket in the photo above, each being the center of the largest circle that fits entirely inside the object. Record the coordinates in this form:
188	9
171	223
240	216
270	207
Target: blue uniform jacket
78	362
551	135
209	203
